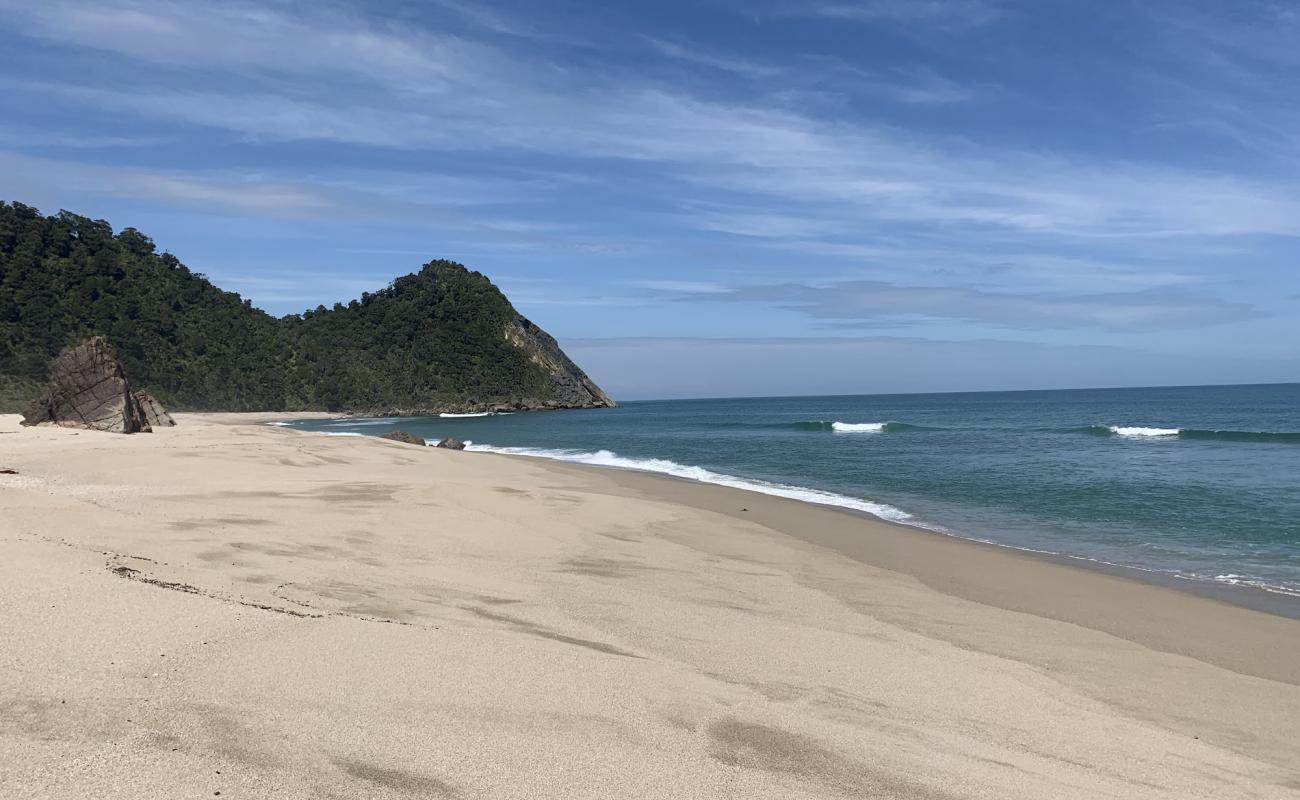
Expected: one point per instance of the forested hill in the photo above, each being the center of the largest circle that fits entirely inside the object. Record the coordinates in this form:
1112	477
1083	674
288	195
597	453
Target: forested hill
442	339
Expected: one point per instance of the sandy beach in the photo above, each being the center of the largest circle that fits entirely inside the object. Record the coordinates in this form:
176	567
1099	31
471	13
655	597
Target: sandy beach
233	609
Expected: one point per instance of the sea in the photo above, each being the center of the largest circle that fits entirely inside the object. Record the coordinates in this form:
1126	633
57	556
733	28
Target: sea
1198	484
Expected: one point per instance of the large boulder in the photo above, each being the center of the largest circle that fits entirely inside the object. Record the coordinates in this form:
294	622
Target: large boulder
154	413
404	437
451	443
89	389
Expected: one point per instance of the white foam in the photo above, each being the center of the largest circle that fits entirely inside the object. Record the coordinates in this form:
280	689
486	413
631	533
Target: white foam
342	433
475	414
361	423
858	427
606	458
279	424
1241	580
1140	432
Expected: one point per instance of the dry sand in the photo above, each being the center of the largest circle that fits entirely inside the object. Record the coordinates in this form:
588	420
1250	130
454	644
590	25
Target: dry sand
258	612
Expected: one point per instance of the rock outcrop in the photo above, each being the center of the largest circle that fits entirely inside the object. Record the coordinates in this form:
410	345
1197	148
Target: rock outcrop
89	389
404	437
451	443
154	413
570	386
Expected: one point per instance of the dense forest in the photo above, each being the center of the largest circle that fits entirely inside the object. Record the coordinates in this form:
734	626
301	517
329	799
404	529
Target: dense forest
442	338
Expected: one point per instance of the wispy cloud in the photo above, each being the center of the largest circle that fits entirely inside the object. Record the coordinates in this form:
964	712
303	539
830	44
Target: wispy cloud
18	136
921	86
274	284
245	38
440	93
682	287
701	56
656	367
850	190
941	14
1008	268
873	304
1230	75
777	154
483	16
430	202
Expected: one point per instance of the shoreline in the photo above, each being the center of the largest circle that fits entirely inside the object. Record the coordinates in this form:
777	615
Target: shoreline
1116	586
1275	601
294	615
1099	598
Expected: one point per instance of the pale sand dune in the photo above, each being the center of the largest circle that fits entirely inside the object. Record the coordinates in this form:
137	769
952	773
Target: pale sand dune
266	613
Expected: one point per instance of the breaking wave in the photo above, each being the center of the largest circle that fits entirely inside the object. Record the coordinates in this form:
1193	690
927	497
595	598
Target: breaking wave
361	422
607	458
1243	580
1136	432
1120	430
854	427
858	427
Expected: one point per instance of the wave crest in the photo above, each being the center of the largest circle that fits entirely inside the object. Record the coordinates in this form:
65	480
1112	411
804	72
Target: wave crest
852	427
607	458
1138	432
858	427
1120	430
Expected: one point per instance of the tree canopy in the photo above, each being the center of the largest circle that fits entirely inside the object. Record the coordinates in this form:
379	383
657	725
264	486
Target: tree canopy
434	338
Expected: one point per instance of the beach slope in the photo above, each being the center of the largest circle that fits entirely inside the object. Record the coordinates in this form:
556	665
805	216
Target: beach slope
238	610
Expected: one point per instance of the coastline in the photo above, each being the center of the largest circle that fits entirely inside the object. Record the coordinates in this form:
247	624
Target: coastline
293	611
1254	598
1259	599
1102	602
1247	595
1091	595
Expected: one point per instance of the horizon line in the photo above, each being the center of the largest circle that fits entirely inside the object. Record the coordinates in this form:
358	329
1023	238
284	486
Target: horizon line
960	391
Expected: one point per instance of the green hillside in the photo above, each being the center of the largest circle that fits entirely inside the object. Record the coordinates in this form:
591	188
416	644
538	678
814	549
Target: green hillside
442	338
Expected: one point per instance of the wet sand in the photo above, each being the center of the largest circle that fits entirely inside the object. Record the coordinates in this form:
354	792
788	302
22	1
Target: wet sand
260	612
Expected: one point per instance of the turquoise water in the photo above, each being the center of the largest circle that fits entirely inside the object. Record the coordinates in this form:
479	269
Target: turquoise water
1200	483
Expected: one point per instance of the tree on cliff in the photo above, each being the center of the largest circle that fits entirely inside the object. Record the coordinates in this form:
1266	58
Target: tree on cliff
438	337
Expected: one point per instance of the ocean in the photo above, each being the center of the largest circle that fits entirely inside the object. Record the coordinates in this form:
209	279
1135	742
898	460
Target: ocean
1195	483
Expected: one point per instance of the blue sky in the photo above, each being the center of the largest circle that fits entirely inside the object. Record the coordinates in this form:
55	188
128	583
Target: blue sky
712	198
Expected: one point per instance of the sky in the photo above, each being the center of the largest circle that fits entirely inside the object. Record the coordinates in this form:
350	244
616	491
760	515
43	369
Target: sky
715	197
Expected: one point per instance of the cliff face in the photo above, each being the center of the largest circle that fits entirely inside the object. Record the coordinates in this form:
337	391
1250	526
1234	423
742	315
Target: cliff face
569	385
441	339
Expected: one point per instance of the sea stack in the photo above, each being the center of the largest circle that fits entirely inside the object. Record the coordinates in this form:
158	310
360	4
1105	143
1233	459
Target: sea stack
89	389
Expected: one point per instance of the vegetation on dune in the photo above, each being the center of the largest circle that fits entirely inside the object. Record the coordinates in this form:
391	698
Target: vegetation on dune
433	339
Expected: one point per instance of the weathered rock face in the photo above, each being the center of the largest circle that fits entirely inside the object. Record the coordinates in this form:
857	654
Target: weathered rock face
570	386
89	389
451	443
404	437
154	413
